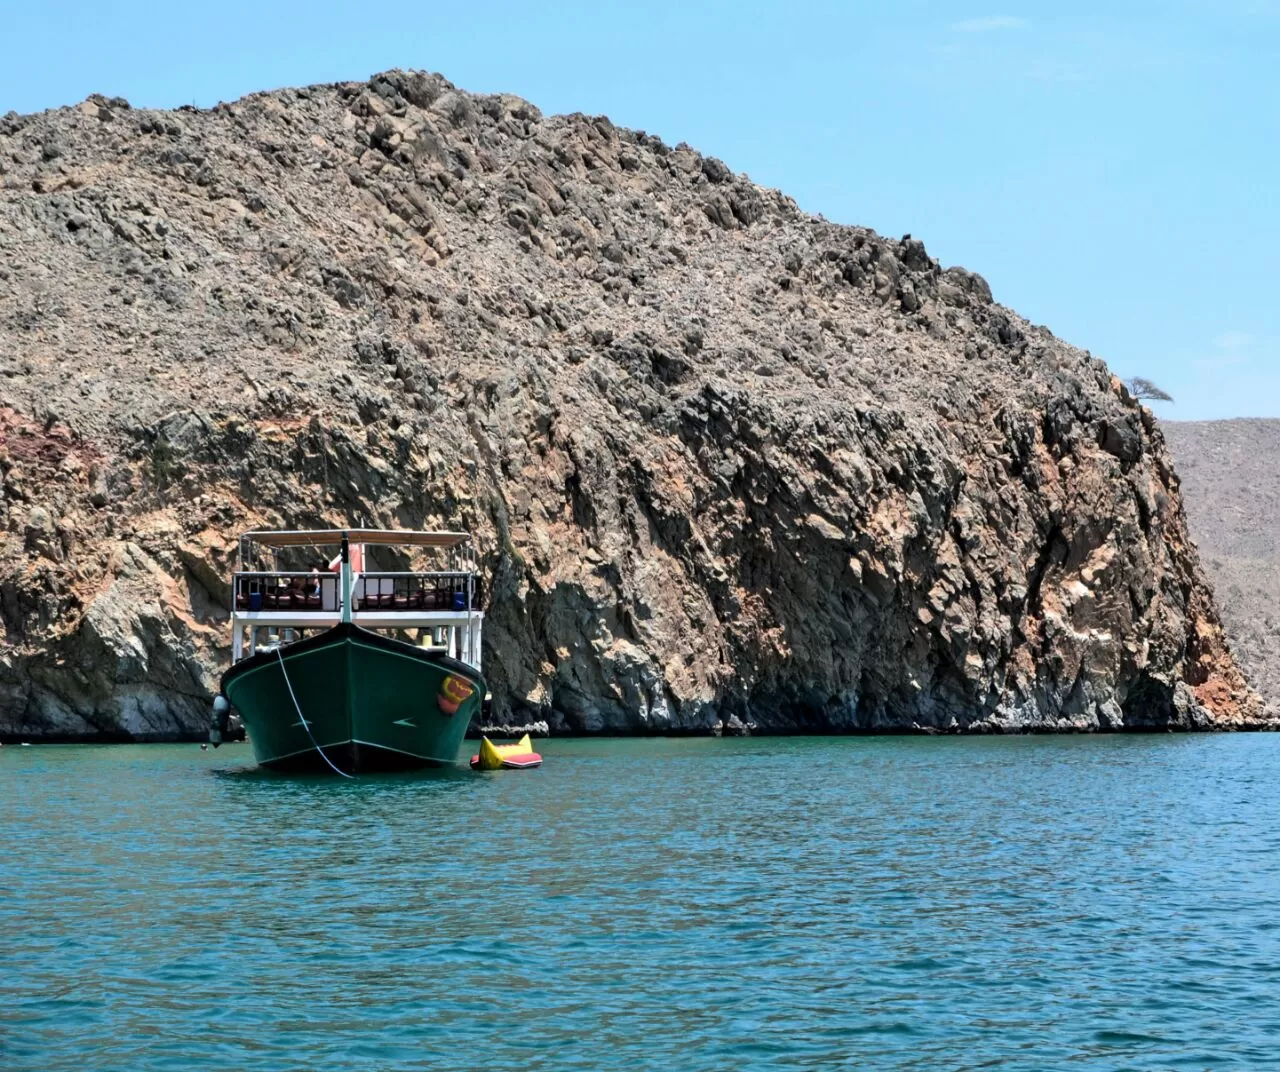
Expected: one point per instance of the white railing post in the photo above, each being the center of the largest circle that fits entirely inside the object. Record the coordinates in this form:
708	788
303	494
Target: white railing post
346	579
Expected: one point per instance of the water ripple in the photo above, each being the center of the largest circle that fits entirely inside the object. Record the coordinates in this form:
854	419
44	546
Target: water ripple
755	904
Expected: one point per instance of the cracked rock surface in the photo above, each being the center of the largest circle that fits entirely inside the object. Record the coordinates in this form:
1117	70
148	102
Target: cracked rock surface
730	467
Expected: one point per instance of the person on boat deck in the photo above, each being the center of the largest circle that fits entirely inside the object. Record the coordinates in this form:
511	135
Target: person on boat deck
357	560
314	580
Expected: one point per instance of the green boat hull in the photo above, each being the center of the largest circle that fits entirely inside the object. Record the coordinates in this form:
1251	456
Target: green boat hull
369	703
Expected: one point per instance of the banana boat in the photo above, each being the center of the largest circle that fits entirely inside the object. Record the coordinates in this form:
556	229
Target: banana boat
518	756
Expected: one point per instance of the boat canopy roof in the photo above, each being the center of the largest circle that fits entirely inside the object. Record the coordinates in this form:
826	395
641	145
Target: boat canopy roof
400	537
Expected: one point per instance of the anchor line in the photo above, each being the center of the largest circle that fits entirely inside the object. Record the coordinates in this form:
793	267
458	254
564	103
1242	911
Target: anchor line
303	718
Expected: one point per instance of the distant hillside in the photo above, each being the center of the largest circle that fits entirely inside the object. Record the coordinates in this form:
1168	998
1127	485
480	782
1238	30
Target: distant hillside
1230	474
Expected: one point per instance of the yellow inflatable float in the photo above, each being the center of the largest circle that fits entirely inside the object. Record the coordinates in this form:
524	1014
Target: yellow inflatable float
518	756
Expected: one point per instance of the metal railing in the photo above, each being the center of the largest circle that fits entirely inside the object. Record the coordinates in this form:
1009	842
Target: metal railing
457	591
277	590
437	591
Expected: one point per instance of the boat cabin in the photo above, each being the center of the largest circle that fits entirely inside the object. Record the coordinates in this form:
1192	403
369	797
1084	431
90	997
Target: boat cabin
290	583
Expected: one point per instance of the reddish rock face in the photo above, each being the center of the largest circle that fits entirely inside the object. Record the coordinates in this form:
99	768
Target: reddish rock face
731	467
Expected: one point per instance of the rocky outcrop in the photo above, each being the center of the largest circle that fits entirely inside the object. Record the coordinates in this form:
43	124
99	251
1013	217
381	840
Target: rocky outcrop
730	467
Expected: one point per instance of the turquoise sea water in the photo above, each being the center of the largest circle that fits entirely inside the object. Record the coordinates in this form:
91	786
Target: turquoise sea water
1012	903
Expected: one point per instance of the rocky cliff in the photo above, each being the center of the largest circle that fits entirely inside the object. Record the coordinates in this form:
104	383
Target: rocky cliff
730	466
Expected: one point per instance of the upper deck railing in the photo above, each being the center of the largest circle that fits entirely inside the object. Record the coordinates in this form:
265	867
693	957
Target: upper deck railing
450	590
285	590
441	591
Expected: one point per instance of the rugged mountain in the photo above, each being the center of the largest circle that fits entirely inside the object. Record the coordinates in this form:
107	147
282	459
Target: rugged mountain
1230	473
730	466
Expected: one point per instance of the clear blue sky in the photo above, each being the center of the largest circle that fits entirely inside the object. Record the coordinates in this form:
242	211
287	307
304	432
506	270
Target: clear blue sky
1113	172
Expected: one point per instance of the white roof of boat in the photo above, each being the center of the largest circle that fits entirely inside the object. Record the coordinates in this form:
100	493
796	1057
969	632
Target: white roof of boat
308	537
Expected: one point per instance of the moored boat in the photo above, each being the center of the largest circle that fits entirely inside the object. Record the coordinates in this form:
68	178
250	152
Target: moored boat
325	675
